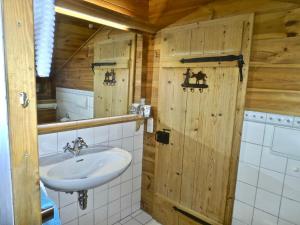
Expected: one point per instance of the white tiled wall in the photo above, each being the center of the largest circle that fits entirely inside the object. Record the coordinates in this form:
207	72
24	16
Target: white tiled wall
268	186
113	201
78	104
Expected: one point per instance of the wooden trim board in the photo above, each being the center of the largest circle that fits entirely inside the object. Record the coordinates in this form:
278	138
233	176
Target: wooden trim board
73	125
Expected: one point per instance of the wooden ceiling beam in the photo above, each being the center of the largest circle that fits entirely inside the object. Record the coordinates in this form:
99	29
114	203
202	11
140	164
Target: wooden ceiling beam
82	6
138	9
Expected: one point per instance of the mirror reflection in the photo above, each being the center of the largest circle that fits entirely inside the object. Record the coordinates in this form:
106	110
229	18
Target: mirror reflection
94	72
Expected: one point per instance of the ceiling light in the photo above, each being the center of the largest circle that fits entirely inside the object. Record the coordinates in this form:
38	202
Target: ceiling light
90	18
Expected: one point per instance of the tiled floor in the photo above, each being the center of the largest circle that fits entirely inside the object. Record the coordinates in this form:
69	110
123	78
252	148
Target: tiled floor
138	218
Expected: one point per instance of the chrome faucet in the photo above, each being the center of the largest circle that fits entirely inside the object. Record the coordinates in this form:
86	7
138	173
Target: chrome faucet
78	144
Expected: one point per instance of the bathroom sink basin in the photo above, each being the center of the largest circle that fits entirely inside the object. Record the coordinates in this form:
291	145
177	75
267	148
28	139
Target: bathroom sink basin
92	168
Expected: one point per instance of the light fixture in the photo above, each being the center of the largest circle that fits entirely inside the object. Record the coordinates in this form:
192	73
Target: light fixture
90	18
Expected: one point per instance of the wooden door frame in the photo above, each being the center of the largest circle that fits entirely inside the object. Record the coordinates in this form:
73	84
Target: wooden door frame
21	123
6	200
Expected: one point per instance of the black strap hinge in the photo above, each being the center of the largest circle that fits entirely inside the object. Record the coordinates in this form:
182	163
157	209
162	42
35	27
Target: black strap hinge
226	58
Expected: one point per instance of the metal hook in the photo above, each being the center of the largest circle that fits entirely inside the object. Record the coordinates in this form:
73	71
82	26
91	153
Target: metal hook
24	101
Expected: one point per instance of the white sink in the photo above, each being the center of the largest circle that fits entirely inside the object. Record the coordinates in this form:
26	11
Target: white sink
92	168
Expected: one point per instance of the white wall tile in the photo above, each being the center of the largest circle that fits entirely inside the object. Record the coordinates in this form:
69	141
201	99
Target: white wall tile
273	162
137	170
47	144
65	137
243	212
136	206
126	201
262	218
114	193
293	168
126	188
248	173
66	198
115	182
253	132
115	143
250	153
101	134
127	175
129	129
114	218
100	215
292	188
127	144
100	198
271	181
278	175
137	183
136	197
268	136
138	142
237	222
125	212
245	193
87	134
286	141
115	132
137	156
68	213
87	219
114	207
283	222
140	131
267	202
54	195
103	187
290	210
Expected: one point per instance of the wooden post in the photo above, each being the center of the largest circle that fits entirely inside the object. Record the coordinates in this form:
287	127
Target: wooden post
19	54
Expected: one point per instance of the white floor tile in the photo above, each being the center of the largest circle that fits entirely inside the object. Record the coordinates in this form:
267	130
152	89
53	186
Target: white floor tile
132	222
143	217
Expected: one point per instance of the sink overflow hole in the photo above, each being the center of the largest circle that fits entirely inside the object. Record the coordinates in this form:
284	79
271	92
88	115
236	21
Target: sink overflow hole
79	160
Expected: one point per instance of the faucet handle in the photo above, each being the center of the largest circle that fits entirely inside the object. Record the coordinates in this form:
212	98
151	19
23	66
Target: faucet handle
82	142
67	147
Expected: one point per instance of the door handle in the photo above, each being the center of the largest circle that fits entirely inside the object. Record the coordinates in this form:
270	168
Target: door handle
47	214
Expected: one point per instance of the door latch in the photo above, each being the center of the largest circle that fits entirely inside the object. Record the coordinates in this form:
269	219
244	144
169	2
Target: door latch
24	101
163	136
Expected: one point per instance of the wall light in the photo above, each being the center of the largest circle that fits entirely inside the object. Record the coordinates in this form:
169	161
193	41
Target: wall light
90	18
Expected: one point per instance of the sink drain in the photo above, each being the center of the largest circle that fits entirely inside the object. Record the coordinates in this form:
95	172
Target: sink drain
82	199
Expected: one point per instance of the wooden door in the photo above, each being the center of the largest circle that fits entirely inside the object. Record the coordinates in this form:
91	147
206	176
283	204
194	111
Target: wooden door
197	170
113	100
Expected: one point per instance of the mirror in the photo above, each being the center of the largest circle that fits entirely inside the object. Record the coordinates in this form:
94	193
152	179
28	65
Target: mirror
94	72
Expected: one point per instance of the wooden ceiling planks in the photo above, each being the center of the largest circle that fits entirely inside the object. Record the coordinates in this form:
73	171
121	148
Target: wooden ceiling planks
133	8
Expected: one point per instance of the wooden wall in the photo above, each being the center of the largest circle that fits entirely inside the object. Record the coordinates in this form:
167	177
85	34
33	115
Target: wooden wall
274	79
